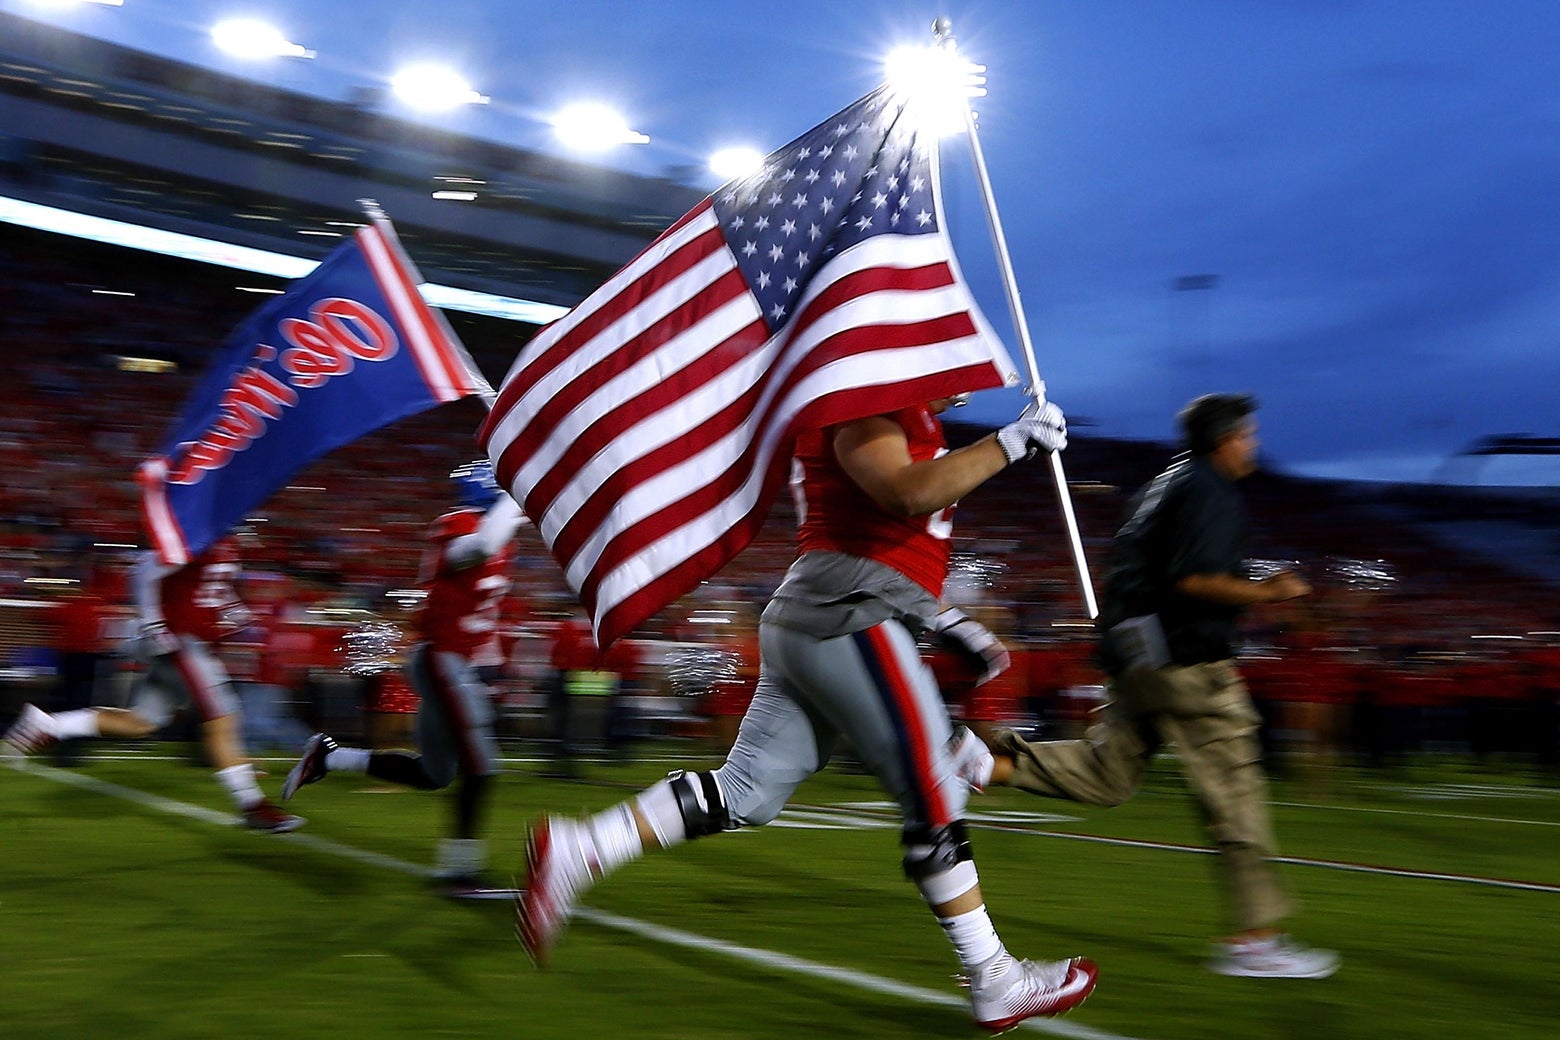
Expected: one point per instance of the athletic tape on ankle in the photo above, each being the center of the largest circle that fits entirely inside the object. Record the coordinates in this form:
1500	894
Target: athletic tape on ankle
938	889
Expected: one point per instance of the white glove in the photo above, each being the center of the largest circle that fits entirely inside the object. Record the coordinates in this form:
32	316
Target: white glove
964	635
155	640
1046	430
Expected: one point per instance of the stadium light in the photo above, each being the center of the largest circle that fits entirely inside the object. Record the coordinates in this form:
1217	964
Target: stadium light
434	88
253	40
730	163
592	127
937	82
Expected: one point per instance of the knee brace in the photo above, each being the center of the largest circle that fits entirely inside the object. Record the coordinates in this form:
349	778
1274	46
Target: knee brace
700	803
930	851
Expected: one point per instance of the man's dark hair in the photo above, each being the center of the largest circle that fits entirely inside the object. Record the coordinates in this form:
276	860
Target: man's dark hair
1212	417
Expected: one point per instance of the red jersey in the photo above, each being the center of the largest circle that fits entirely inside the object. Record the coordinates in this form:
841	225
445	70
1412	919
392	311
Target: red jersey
460	615
83	624
837	516
199	599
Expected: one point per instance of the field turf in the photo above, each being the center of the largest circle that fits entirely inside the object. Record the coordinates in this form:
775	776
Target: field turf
130	907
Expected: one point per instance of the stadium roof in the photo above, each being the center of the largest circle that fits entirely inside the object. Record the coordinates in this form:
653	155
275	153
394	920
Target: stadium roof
96	128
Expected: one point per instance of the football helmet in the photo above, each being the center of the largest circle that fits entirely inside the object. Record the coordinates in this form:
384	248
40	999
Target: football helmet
475	485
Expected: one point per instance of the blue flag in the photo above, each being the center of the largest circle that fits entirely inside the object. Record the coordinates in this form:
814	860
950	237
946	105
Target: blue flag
349	348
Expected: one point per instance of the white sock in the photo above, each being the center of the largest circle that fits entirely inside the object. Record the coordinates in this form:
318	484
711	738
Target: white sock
658	804
348	760
82	722
240	782
615	835
974	937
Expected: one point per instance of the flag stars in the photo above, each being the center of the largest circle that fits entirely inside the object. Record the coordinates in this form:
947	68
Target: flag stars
864	223
893	184
800	201
775	199
879	200
788	228
789	285
814	232
812	177
763	279
827	205
761	224
850	152
788	176
923	218
917	183
777	312
837	177
776	254
737	222
802	260
749	248
826	151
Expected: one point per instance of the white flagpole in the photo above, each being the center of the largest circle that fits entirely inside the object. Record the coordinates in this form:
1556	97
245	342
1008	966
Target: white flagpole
942	29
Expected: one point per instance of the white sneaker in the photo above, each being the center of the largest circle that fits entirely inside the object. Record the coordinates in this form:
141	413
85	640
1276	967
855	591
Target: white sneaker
1017	990
1275	957
32	731
972	759
560	864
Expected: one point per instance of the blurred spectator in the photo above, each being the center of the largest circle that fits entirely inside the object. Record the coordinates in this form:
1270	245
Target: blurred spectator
84	623
586	694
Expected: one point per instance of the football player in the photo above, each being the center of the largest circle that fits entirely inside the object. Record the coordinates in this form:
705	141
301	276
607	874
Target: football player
465	571
184	613
839	661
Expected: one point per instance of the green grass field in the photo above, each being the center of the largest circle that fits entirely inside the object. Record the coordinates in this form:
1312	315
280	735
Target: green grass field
130	908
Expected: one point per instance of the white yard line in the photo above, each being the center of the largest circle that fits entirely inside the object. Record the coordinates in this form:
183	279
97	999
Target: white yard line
1421	812
1203	850
673	937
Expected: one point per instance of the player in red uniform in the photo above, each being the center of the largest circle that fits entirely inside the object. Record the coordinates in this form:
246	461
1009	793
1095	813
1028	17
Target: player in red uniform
840	662
465	571
184	612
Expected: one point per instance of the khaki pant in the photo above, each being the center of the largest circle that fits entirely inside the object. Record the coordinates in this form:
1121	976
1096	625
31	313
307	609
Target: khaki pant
1206	712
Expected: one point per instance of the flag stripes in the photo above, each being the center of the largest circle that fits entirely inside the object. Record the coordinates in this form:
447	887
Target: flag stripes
647	431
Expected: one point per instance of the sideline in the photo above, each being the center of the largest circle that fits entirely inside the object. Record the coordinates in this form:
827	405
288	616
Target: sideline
766	958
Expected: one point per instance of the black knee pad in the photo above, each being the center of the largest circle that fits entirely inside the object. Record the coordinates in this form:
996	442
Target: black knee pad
935	850
698	799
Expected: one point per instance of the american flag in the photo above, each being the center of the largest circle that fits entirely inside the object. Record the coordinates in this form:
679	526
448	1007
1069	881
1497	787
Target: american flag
647	430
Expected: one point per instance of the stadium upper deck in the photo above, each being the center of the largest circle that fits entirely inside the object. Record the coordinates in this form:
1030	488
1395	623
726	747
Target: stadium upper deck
96	128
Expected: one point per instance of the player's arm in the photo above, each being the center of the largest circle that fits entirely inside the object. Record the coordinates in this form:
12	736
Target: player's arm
876	455
499	524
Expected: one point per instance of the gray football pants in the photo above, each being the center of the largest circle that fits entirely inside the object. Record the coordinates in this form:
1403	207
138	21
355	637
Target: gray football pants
454	716
869	688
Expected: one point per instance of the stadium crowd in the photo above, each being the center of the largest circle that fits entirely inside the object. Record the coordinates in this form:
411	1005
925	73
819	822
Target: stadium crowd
1406	645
